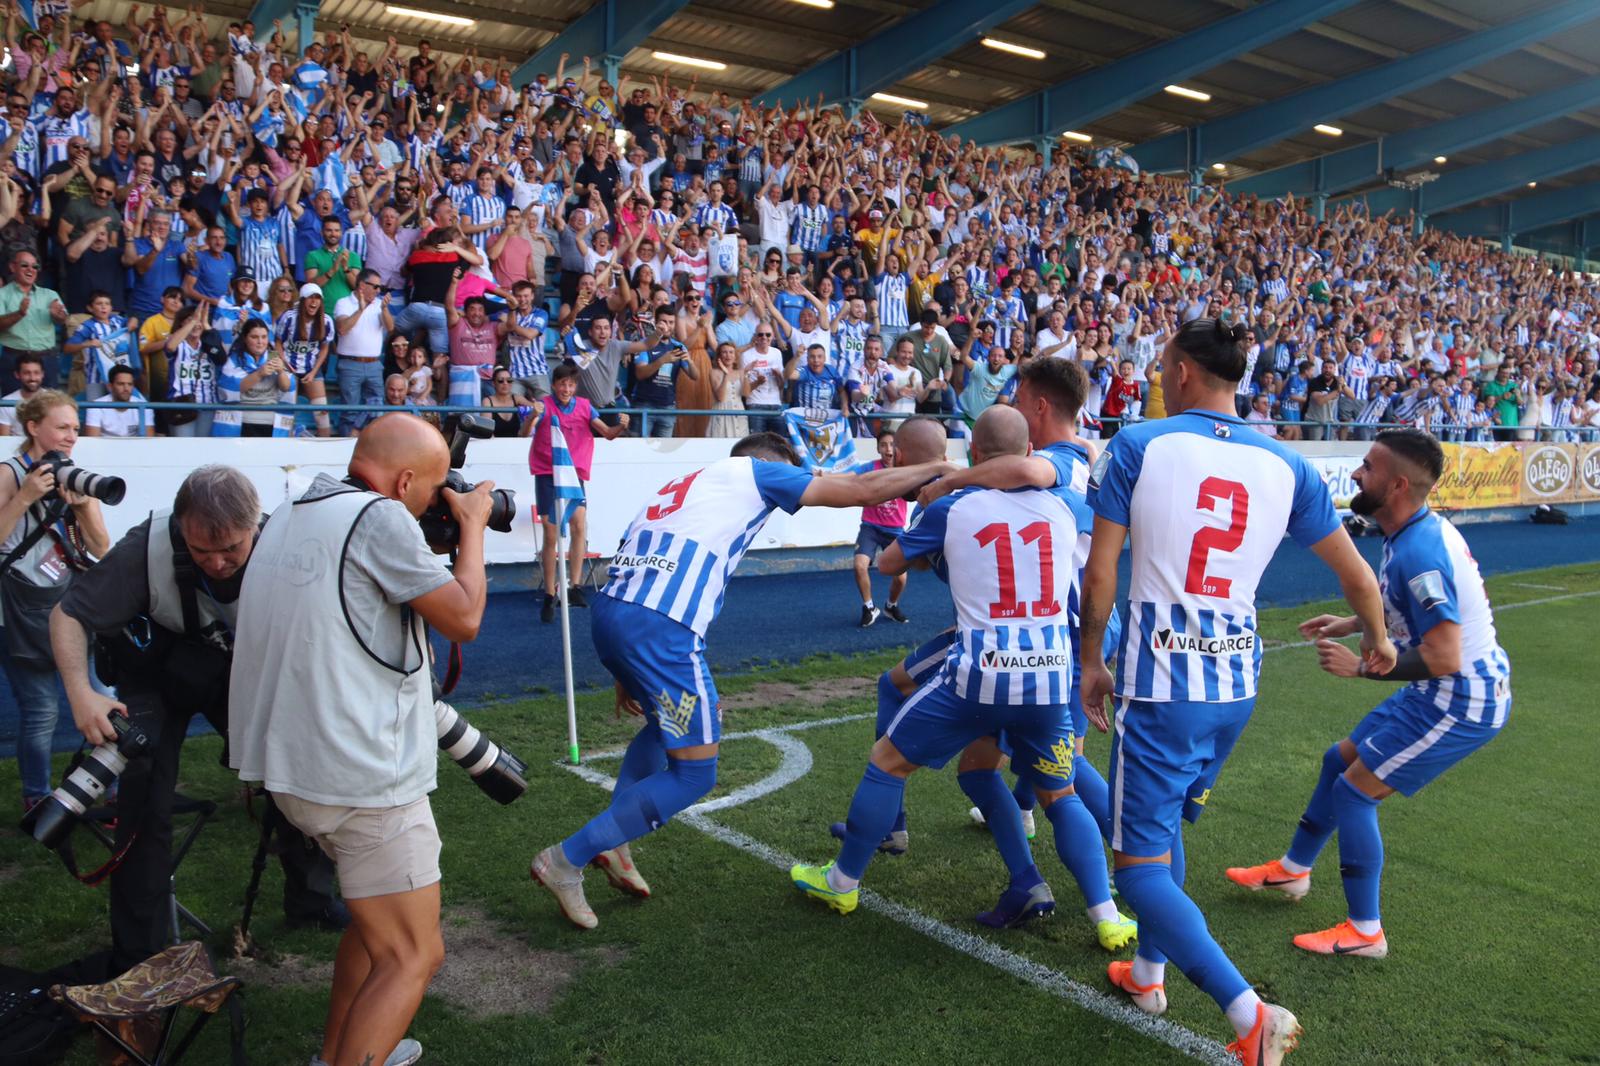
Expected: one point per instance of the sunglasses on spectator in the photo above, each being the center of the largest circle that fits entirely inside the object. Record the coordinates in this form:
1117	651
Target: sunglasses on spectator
25	266
768	335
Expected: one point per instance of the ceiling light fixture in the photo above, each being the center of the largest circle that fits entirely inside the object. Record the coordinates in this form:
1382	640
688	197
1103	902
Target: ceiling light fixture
1331	131
1188	93
1015	49
901	101
1074	135
824	4
431	16
1219	166
689	61
1440	159
1533	185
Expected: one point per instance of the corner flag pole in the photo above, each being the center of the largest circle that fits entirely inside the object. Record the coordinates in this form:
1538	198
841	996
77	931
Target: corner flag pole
566	642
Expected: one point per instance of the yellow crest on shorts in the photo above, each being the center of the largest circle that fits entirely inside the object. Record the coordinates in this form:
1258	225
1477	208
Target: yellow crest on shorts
1200	800
1061	766
675	717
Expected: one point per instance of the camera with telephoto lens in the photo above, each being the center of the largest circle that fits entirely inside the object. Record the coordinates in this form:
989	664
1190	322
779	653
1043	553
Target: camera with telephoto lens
439	526
52	819
498	772
74	478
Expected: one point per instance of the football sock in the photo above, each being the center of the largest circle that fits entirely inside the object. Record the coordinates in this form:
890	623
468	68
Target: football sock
1360	851
890	700
872	812
1148	953
894	603
1080	848
867	604
645	805
1022	792
1173	921
646	755
1092	789
1242	1011
1320	819
988	791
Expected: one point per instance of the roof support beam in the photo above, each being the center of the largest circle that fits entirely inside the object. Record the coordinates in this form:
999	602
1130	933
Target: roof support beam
1345	170
609	28
1236	134
1471	184
900	50
1104	90
304	13
1523	215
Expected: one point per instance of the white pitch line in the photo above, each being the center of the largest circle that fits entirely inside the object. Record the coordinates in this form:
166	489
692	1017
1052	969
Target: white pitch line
796	761
1531	585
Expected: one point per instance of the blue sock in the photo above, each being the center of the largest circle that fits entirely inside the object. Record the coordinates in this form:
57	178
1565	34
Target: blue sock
646	755
1091	787
1360	849
1147	949
1022	792
1320	819
1171	919
1079	845
643	806
890	700
988	790
871	814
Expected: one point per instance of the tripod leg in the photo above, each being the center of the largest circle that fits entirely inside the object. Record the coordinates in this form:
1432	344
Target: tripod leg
241	937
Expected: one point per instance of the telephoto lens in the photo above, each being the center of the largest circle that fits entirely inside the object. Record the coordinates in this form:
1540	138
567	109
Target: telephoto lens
498	772
73	478
52	819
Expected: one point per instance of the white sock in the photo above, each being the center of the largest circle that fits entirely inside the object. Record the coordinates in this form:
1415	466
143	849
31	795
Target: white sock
320	417
1147	973
1242	1011
1367	927
1290	866
1104	912
894	603
868	605
839	882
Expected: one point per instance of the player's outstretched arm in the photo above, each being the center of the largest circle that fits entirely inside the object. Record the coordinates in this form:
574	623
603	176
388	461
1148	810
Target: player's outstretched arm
1001	472
864	490
1099	594
1361	591
1439	655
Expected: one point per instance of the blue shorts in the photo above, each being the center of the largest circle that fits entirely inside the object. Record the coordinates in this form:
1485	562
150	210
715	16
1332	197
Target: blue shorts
872	539
662	664
544	497
1406	741
934	725
1165	758
925	661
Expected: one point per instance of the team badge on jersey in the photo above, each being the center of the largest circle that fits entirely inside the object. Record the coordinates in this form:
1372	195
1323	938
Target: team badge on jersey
676	718
1222	430
1102	463
1428	589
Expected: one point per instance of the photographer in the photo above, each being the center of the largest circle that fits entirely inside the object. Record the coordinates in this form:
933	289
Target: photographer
47	536
333	708
164	603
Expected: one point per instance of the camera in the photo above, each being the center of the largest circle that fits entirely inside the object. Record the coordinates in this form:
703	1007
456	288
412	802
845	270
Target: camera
498	772
75	478
439	525
52	819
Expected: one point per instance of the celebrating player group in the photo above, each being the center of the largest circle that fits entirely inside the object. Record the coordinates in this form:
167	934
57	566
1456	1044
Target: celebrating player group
1028	538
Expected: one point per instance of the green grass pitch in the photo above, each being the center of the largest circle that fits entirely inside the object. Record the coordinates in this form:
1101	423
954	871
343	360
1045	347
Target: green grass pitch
1489	895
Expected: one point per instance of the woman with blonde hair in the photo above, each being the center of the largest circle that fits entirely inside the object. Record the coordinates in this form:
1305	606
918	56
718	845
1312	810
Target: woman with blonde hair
47	535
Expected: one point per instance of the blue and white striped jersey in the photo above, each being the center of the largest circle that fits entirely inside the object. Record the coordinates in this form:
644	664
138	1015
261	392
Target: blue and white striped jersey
893	313
1206	501
1429	577
812	223
527	357
681	549
1011	582
260	249
485	209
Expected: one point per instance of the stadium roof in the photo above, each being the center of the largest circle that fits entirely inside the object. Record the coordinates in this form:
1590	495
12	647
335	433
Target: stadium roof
1381	68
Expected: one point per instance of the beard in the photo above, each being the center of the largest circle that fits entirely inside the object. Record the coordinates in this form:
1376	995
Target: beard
1366	503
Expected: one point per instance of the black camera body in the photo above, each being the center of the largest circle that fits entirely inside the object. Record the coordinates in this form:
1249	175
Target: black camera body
51	820
439	526
74	478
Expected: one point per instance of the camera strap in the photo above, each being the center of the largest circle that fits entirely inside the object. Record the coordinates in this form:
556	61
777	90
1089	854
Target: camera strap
188	576
40	528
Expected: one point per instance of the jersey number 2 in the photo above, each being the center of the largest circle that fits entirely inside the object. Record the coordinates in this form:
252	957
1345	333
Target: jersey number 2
1008	606
676	491
1209	538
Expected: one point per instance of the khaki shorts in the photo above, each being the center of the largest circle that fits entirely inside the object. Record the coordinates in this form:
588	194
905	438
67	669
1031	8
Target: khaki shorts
376	850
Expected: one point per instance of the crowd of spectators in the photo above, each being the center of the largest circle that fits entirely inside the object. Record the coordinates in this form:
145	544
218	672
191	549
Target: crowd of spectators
251	224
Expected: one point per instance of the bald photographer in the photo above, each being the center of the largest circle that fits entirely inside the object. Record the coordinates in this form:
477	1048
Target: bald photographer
163	604
334	710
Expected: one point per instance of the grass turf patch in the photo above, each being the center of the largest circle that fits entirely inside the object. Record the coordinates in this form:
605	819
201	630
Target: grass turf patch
727	964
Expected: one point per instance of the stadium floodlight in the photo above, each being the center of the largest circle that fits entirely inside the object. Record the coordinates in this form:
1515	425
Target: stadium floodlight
1188	93
1015	49
900	101
431	16
689	61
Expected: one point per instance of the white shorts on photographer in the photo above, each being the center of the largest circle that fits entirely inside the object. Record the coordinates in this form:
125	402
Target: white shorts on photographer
377	851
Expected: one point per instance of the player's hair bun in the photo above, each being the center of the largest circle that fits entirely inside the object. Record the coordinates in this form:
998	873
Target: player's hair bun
1227	334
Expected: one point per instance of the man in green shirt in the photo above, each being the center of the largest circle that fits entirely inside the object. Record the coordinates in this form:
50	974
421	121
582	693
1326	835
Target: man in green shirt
1502	392
333	268
934	357
29	314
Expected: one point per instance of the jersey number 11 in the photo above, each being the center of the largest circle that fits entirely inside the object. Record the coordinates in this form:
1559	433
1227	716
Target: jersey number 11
1008	606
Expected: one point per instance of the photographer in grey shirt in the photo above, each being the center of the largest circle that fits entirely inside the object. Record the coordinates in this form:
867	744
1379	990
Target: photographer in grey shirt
332	705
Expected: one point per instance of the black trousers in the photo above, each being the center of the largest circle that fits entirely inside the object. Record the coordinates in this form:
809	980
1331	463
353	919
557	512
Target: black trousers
140	919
